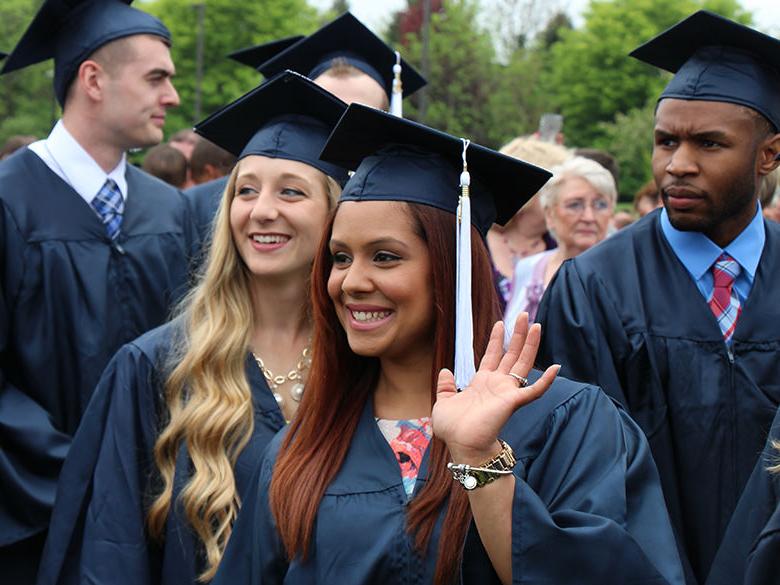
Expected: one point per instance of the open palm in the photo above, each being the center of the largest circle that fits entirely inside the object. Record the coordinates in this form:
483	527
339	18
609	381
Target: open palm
469	421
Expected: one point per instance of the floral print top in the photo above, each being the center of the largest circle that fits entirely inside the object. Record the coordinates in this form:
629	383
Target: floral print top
408	439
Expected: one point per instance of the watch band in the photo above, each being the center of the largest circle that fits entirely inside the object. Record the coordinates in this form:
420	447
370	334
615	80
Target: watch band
476	477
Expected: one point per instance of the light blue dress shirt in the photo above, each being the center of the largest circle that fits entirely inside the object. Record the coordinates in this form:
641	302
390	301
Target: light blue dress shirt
698	253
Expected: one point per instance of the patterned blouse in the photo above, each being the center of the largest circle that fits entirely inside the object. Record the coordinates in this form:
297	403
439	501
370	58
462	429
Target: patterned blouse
408	439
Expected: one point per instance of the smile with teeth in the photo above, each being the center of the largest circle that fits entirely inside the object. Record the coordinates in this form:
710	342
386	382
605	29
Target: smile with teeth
270	239
369	316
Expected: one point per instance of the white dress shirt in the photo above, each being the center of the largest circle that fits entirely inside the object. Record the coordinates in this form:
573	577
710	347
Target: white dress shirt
67	159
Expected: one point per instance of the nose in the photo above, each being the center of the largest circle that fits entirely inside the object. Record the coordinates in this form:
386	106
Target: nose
356	280
171	96
265	209
682	162
588	214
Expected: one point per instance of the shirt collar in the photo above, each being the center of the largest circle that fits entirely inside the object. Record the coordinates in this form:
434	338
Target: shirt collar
80	169
698	253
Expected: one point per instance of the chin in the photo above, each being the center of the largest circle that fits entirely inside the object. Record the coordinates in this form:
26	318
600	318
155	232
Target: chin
686	222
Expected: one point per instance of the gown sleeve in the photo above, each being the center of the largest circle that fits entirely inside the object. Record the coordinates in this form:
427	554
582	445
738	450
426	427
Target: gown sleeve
588	508
31	448
582	331
97	533
750	551
255	554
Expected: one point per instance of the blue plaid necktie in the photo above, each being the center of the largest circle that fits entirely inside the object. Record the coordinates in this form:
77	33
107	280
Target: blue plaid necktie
110	206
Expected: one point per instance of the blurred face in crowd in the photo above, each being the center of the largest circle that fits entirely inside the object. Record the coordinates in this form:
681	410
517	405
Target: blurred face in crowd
647	204
580	216
137	91
707	157
277	215
355	87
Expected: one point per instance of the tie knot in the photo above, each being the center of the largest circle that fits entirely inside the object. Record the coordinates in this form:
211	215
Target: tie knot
110	206
725	270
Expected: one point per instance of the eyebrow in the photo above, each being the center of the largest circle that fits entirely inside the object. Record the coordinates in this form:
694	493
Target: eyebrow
373	243
714	135
161	72
283	177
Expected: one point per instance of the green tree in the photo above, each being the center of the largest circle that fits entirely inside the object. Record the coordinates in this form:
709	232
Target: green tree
463	73
630	139
27	103
227	26
590	77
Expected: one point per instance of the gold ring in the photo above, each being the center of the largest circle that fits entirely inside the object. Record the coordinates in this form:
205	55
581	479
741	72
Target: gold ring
522	382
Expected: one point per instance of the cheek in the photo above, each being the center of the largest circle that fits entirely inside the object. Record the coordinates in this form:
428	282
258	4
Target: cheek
335	279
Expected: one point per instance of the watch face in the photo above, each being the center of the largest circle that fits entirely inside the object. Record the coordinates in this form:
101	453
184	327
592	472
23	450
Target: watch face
469	482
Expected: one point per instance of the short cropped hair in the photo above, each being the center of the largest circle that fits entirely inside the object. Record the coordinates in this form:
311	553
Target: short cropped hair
166	163
208	153
582	168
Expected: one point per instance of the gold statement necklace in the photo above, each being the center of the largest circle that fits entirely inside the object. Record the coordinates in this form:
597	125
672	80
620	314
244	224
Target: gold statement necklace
295	376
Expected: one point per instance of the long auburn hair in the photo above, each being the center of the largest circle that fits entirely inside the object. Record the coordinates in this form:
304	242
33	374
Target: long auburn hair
341	381
208	400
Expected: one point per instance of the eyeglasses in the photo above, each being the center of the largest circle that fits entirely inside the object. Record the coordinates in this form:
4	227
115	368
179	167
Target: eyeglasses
578	206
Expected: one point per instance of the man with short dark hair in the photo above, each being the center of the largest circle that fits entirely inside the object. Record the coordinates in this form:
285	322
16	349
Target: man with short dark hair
676	317
93	252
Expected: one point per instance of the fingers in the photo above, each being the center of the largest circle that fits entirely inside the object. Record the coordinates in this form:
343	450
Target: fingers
445	384
530	393
525	362
515	344
494	351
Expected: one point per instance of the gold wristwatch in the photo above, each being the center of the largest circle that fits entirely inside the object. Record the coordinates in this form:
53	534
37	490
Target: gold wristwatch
475	477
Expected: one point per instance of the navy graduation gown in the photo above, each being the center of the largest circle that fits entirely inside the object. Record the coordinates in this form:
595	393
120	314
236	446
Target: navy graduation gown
750	552
626	315
203	201
588	508
69	298
97	533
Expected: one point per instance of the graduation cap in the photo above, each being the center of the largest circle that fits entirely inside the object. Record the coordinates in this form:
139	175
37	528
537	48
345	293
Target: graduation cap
287	117
716	59
69	31
254	57
347	39
401	160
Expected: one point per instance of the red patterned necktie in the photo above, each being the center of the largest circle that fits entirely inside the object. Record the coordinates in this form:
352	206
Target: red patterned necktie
724	301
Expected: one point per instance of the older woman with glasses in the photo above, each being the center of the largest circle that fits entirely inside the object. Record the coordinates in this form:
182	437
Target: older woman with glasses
578	203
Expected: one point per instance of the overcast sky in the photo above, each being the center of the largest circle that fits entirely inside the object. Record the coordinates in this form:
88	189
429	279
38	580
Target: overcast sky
376	13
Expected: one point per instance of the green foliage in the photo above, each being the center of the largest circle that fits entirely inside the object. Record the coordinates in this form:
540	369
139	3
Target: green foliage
514	107
629	138
463	73
228	25
591	79
27	104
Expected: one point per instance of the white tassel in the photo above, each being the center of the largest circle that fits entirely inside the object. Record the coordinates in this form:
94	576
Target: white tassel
397	95
464	323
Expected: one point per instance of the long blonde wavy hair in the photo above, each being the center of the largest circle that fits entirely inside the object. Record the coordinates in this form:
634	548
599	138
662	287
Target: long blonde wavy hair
207	395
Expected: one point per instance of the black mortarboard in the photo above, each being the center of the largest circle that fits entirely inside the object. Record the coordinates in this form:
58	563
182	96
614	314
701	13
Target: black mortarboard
69	31
254	57
400	160
287	117
348	39
716	59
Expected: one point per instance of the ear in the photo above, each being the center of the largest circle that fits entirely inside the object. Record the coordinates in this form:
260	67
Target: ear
769	155
90	78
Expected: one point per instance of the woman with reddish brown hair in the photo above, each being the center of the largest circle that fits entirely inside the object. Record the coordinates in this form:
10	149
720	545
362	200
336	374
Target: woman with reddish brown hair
367	485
